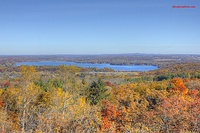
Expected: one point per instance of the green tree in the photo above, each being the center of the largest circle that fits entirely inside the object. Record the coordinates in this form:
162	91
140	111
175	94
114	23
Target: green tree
97	92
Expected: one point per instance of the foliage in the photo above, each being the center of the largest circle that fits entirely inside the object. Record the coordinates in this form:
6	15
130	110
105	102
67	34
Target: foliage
63	100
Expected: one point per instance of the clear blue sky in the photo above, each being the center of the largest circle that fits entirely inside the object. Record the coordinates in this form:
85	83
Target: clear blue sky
98	27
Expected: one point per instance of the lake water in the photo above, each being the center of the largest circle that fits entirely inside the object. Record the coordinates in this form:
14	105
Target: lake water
89	65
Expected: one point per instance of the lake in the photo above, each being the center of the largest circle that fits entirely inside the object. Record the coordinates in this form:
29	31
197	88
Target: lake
90	65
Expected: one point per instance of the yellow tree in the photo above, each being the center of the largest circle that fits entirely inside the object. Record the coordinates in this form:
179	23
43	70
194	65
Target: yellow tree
67	75
10	107
26	96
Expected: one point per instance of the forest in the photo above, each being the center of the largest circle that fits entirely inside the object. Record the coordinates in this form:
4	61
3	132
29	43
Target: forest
68	99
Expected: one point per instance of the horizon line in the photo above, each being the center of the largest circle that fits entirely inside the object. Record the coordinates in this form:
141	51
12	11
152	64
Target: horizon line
96	54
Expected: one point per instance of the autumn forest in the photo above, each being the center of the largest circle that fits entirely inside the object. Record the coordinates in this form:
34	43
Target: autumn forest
70	99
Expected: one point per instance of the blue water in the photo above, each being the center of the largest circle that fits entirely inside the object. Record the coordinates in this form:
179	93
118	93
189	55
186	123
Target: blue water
87	65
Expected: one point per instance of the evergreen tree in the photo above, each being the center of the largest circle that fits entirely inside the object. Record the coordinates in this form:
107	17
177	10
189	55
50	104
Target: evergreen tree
96	92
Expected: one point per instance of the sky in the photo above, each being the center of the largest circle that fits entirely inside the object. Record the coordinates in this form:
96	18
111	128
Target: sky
48	27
